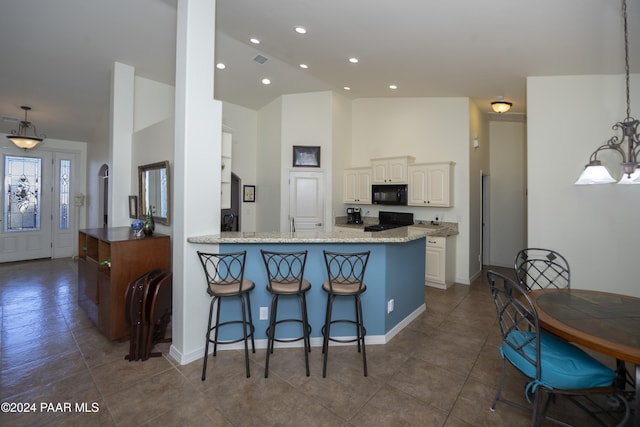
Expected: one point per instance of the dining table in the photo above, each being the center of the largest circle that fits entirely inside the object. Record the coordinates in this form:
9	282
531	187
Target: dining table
605	322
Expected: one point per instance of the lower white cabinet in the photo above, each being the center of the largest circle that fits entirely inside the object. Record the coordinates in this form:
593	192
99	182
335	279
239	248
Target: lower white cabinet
440	262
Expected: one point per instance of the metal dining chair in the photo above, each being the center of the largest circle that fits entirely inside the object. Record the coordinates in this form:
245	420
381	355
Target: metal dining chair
552	365
538	268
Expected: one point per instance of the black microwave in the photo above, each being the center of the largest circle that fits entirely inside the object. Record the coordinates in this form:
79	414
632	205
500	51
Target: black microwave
389	194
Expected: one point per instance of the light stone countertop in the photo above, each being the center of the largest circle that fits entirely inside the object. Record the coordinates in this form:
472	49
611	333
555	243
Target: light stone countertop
397	235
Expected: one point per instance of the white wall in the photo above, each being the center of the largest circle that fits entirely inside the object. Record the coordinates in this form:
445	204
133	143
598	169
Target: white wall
268	170
341	149
478	163
595	227
307	121
431	130
507	224
97	156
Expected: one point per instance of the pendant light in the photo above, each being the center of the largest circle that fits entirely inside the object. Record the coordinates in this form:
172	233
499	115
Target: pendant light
595	172
20	138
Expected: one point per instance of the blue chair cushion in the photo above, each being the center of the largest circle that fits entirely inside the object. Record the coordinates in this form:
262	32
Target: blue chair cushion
564	366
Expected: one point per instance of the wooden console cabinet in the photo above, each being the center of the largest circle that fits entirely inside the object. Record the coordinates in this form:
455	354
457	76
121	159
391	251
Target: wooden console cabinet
108	259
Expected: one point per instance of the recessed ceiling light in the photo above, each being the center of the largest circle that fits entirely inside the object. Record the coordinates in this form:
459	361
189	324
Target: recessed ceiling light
220	66
254	40
346	88
393	87
266	81
301	30
305	66
353	60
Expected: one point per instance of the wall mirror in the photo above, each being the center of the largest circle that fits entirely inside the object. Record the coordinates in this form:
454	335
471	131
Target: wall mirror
153	192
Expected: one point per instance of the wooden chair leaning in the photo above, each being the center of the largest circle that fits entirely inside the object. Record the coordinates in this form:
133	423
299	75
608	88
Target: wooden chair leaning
157	313
148	312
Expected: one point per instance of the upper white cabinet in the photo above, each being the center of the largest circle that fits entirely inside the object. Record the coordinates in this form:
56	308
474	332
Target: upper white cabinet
225	186
391	170
357	186
431	184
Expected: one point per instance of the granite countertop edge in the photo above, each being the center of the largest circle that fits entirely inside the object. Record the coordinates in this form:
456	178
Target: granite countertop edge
357	236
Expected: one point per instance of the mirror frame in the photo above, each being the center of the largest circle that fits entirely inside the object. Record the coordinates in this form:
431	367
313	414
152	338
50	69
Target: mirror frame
142	209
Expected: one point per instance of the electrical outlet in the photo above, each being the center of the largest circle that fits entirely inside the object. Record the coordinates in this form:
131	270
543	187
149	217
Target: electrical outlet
390	306
264	313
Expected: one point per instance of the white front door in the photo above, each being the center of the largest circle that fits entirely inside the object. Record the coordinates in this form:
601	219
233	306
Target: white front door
25	232
306	201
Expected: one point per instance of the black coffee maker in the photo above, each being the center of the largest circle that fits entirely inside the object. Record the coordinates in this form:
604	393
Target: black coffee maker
354	216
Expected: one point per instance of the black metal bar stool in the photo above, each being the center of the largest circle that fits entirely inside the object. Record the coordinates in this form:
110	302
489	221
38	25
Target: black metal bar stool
225	278
345	279
285	274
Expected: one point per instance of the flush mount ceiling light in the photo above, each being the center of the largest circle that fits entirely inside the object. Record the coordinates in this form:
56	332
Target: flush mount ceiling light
595	172
20	138
501	106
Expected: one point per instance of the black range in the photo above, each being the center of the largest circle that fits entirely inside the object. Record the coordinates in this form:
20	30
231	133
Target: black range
389	220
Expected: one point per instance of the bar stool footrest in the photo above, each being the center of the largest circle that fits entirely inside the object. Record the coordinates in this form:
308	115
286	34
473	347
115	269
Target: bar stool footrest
345	341
230	322
289	339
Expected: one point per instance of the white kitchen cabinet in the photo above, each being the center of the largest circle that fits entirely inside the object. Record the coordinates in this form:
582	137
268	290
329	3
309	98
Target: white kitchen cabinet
225	178
440	262
390	170
430	184
357	186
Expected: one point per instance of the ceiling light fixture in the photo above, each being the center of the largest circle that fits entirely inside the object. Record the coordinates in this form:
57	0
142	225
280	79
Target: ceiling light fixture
595	172
301	30
254	40
353	60
266	81
220	66
20	138
501	106
305	66
393	87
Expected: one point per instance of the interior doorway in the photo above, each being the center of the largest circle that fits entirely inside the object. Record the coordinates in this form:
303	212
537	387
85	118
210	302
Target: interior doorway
230	218
306	201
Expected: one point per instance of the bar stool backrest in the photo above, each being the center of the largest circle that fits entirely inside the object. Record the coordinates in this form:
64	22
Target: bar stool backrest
346	270
285	268
224	270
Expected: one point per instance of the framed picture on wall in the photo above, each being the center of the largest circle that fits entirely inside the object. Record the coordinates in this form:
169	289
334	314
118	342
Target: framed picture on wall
249	193
306	157
133	207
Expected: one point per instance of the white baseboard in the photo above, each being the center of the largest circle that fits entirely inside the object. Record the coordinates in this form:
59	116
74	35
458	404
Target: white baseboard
184	359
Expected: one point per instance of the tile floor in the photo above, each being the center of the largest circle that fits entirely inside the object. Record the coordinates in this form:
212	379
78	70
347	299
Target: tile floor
442	370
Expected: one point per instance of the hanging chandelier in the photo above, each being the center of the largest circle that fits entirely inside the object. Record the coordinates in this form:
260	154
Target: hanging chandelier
20	138
595	172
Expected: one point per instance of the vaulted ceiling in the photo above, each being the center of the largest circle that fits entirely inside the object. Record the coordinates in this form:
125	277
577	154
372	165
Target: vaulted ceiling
57	55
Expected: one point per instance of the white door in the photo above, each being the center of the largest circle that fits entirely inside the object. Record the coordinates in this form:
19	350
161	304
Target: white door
25	232
306	201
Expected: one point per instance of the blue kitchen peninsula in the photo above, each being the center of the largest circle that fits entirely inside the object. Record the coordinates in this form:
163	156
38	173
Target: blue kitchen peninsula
394	278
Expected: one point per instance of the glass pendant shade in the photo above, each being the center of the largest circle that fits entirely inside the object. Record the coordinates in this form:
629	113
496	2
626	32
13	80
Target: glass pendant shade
595	174
501	106
633	179
25	142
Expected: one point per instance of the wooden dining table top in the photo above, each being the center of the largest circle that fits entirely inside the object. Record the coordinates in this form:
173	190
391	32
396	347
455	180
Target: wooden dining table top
605	322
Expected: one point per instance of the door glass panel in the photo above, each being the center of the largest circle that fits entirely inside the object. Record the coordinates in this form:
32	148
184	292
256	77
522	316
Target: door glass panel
22	193
65	171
